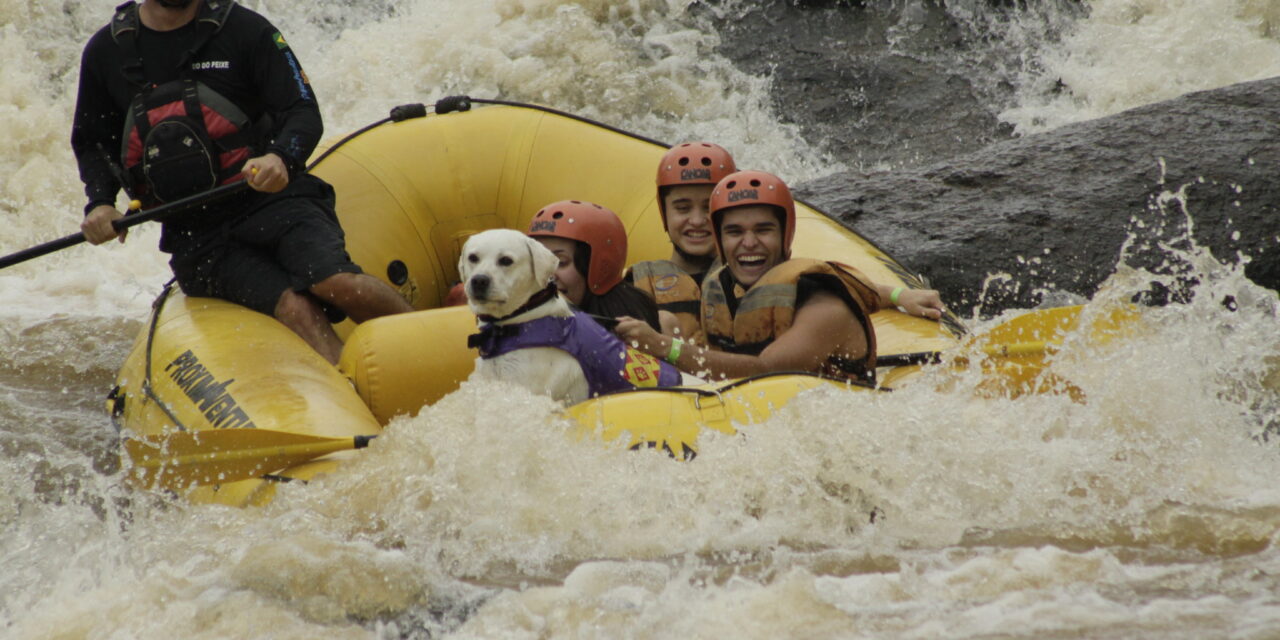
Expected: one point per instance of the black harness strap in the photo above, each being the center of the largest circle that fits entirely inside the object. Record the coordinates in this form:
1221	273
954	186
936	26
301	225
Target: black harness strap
126	24
124	30
682	306
727	284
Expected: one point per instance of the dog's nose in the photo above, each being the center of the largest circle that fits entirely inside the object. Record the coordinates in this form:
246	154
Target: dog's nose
479	285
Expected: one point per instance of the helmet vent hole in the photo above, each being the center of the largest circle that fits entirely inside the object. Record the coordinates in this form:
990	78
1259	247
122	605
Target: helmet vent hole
731	185
557	215
683	161
755	182
706	162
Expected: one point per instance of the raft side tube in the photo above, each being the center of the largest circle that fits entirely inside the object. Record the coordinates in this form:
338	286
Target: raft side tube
404	362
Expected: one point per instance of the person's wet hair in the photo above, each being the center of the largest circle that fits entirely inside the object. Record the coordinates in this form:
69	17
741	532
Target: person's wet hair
624	299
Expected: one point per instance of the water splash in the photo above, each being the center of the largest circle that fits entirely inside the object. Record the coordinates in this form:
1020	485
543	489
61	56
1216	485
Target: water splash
1128	53
1145	508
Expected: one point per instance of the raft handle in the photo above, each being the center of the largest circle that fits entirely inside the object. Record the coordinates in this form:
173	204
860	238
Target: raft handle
449	104
403	112
115	400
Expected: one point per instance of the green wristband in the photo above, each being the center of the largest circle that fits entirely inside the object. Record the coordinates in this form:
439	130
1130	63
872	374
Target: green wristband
893	297
674	353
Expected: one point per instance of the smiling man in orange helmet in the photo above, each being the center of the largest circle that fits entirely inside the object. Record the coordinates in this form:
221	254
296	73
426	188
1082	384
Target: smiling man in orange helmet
687	174
764	311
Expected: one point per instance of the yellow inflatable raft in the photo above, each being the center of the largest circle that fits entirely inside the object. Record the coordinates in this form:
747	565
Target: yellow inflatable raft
220	402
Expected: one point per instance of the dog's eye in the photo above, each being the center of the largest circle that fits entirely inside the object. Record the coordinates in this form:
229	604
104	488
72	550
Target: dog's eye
473	258
505	261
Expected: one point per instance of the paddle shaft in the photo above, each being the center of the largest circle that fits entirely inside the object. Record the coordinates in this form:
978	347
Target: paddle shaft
177	461
155	213
265	454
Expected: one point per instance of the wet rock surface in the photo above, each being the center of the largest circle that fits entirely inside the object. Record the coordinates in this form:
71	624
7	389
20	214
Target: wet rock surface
876	84
1053	210
907	95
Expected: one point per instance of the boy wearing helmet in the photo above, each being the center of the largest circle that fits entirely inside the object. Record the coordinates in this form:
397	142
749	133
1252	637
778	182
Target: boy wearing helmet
764	311
686	176
591	245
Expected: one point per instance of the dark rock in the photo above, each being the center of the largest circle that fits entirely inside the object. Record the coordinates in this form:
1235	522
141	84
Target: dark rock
883	84
1053	210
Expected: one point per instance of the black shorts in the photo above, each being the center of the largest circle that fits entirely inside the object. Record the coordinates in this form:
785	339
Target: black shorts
288	244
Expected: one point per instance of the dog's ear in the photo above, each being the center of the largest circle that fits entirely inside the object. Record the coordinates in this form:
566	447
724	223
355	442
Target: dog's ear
542	261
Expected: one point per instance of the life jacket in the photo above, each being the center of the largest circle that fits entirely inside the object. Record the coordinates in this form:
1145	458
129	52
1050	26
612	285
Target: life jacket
608	364
675	292
182	137
748	322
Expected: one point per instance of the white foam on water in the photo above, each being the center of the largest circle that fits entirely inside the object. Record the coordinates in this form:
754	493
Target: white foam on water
641	65
1147	508
1128	53
1023	516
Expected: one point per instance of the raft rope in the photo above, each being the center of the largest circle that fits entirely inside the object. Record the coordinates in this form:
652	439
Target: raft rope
718	391
147	390
451	104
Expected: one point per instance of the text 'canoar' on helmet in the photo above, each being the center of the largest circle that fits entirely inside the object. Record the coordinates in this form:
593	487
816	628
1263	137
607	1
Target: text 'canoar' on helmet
754	188
591	224
692	163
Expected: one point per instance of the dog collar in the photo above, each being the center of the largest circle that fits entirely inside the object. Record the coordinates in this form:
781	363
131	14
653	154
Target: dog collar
536	300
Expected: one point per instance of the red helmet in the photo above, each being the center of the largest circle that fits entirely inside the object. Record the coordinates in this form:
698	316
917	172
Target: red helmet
594	225
753	188
692	163
457	296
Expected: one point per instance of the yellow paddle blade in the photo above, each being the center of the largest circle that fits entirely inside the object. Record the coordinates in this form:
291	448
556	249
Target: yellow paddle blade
1050	326
1016	347
181	459
1015	351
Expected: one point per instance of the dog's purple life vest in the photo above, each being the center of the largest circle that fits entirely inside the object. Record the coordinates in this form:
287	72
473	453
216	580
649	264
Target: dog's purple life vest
608	364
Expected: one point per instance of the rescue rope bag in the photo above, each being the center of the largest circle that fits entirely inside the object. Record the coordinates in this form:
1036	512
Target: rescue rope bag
182	137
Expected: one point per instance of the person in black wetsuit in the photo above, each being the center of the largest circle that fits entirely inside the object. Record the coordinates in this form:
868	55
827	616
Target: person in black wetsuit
179	96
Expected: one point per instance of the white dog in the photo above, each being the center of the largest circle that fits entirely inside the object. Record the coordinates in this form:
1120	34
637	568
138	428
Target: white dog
507	276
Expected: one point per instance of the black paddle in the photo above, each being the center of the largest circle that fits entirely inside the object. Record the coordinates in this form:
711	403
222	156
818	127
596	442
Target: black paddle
129	220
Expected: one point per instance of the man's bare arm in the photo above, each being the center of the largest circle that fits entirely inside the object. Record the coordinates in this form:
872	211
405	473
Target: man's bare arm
823	327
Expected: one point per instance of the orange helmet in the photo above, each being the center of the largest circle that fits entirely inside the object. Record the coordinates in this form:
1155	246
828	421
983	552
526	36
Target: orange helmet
692	163
754	188
597	227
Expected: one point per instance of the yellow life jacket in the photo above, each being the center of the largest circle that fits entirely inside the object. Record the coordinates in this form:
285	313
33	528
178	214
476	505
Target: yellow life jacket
675	291
749	321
